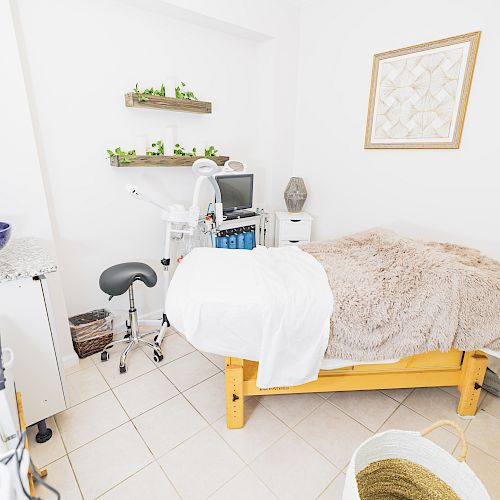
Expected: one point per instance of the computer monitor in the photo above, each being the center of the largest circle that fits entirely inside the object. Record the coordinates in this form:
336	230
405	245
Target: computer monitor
236	191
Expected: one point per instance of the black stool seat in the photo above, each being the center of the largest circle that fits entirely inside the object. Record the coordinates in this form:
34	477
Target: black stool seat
116	280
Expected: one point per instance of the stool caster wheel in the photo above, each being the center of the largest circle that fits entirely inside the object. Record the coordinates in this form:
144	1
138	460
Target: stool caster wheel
104	356
127	336
157	357
123	369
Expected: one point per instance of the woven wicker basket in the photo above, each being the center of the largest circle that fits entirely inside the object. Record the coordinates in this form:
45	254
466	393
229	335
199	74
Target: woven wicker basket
405	465
91	331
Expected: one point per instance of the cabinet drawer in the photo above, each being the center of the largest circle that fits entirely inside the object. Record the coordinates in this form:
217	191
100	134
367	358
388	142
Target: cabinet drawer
291	243
291	230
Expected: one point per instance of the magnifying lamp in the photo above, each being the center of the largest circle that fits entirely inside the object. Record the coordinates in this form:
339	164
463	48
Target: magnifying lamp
205	168
234	166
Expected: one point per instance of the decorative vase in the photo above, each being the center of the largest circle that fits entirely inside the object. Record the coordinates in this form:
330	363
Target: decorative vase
295	194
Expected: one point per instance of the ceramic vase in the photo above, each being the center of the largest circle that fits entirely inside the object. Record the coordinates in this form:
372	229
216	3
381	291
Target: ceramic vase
295	194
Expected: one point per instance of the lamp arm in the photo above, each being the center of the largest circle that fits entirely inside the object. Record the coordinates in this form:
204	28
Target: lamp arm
218	196
218	199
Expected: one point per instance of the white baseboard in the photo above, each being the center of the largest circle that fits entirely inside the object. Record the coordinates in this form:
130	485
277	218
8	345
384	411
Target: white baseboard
158	314
70	362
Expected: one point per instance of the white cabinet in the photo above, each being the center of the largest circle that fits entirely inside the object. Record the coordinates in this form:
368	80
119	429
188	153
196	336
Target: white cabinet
292	229
27	327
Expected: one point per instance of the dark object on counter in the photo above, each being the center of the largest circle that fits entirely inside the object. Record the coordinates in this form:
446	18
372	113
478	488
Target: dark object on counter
5	232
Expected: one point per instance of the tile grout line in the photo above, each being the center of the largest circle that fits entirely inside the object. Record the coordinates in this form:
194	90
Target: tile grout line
175	447
131	420
330	483
383	423
219	368
235	451
168	479
350	416
187	389
239	472
104	433
279	418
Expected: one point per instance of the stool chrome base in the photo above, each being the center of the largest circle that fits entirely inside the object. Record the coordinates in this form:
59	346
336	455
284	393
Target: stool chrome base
133	338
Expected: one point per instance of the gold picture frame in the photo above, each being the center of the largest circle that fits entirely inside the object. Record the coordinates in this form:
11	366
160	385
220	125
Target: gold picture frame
419	94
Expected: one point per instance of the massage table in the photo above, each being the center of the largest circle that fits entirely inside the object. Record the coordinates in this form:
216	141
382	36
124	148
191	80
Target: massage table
202	303
464	370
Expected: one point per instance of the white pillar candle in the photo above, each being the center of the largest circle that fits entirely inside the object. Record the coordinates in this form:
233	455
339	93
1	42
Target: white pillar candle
169	136
170	85
200	148
141	144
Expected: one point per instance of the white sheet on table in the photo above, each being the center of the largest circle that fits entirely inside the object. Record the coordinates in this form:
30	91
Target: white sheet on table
271	305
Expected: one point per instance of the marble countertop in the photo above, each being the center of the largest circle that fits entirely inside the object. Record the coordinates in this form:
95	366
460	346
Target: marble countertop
24	258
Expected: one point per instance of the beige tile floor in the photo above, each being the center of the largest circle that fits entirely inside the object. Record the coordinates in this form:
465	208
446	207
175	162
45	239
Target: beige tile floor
158	432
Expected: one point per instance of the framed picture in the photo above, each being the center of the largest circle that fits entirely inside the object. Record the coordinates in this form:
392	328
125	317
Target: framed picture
419	94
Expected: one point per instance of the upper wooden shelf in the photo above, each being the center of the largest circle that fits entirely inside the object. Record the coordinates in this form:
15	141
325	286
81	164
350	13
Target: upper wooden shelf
170	103
163	161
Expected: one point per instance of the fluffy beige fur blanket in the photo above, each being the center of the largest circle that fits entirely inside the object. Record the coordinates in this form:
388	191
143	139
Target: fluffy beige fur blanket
396	297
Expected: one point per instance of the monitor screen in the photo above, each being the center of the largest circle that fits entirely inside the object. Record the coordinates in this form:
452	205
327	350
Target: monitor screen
236	191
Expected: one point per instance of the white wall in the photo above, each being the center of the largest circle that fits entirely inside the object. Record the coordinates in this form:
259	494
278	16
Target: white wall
23	200
22	191
449	195
81	56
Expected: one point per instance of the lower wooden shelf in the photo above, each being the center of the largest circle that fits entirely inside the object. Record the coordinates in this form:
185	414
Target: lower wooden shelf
163	161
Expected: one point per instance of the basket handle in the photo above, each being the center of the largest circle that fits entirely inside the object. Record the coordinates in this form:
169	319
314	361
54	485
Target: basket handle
441	423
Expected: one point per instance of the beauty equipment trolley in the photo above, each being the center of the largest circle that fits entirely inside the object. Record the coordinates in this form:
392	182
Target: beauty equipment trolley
464	370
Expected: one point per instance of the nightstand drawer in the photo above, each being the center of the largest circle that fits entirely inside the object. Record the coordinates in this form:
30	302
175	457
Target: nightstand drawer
291	243
295	229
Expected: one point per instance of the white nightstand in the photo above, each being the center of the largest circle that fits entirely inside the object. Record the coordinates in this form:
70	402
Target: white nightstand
292	229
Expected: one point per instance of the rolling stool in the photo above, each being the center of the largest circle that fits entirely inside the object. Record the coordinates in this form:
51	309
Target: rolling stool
116	280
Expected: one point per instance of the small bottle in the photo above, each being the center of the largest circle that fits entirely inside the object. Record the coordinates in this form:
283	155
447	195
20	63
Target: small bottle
232	240
249	238
240	239
224	240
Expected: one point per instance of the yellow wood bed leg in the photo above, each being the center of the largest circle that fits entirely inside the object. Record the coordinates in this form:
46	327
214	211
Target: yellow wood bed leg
235	398
473	370
22	425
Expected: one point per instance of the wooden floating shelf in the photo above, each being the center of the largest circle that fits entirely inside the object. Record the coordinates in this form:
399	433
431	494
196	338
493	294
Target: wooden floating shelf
164	161
170	103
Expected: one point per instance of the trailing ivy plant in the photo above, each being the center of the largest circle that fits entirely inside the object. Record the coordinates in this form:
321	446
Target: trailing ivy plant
123	156
160	149
181	92
142	94
180	151
211	151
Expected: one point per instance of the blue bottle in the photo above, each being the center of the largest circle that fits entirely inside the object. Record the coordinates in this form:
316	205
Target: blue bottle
248	235
223	240
232	240
240	239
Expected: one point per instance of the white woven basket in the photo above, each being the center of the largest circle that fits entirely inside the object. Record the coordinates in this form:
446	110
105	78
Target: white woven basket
414	447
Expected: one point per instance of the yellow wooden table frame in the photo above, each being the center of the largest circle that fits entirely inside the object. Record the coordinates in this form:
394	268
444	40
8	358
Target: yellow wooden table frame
464	370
